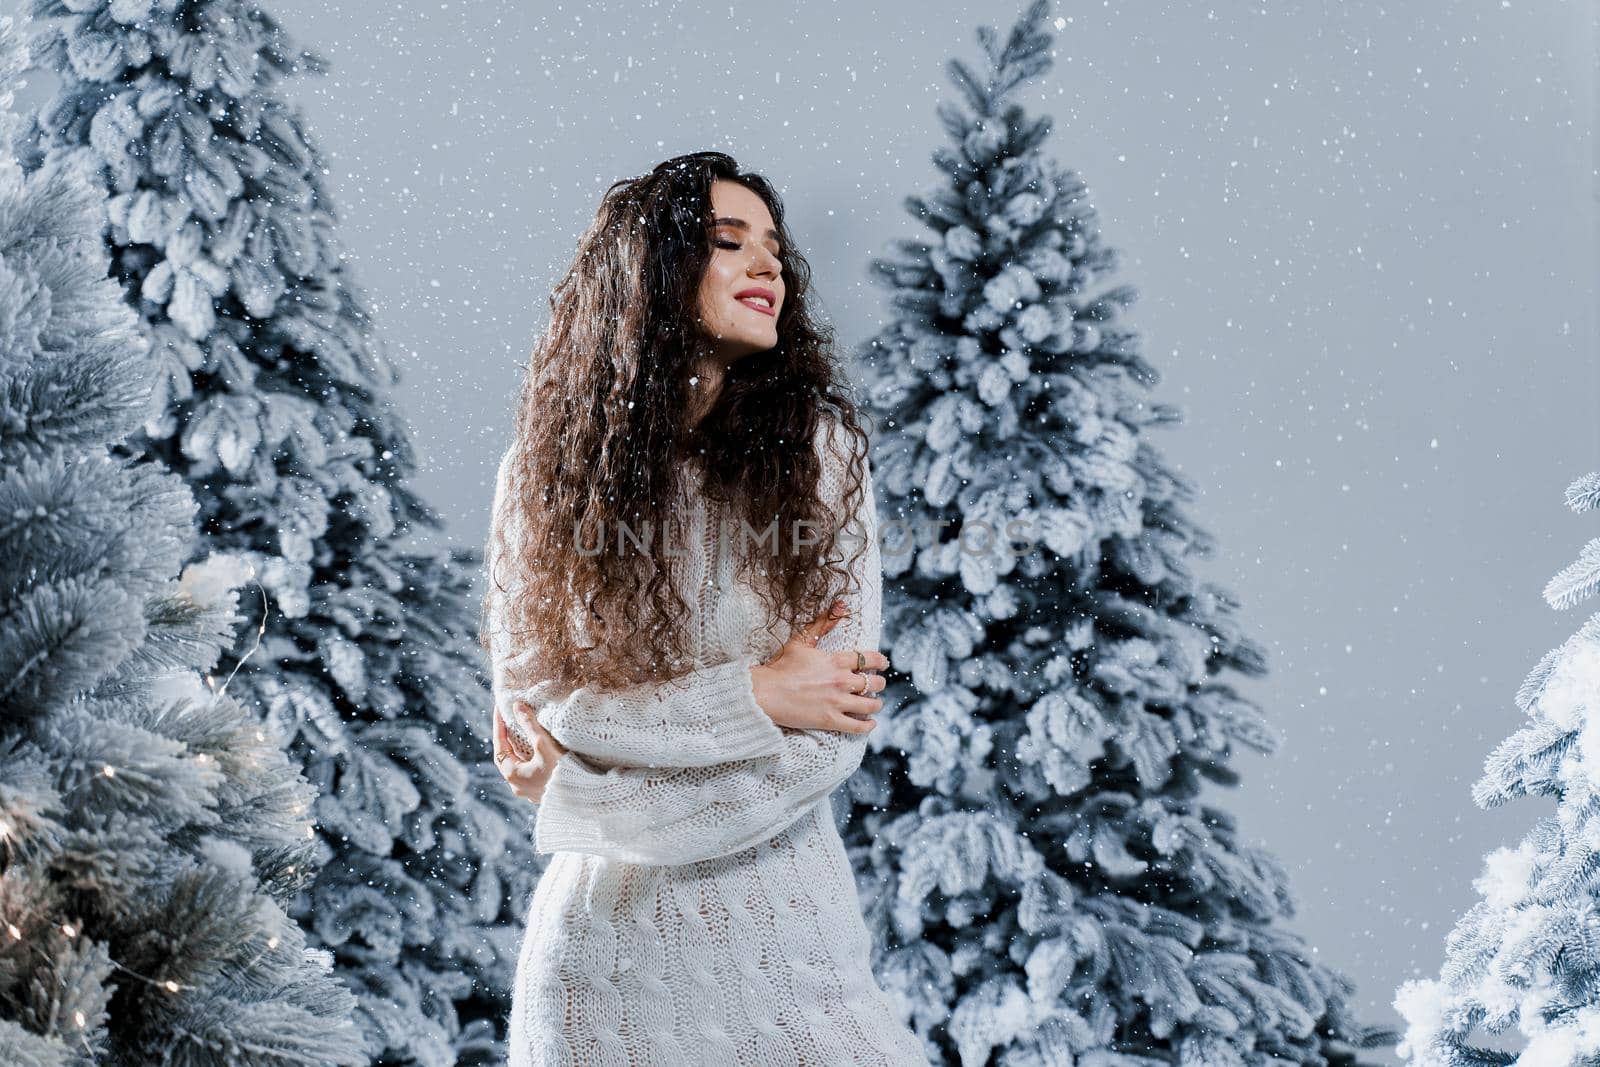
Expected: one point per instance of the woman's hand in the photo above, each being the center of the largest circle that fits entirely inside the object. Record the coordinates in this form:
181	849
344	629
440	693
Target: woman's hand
806	688
527	772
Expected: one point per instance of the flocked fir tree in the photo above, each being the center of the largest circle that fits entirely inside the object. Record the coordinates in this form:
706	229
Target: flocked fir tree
152	833
1043	881
1527	955
274	403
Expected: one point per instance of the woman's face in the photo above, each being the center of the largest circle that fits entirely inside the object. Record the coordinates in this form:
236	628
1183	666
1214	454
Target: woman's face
744	266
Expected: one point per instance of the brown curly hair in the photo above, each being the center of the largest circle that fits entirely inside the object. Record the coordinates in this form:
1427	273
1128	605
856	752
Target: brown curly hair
601	438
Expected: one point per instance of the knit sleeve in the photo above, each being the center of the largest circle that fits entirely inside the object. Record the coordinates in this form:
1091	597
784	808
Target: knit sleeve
704	717
683	815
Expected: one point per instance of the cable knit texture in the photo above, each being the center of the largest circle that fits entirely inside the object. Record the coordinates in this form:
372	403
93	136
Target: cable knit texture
700	908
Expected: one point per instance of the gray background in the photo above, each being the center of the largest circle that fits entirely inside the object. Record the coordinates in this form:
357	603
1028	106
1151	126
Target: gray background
1364	237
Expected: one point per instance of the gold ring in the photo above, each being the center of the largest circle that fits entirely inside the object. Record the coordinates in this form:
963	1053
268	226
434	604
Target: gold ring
866	683
861	661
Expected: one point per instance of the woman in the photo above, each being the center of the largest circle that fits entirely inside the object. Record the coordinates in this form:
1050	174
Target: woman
686	695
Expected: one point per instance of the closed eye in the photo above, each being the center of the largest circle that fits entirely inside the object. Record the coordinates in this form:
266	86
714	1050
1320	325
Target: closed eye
735	244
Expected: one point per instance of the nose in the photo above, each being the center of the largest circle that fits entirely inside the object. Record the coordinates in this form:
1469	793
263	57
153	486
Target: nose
766	263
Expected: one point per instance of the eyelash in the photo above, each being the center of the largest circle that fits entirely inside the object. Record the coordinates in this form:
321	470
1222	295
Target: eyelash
724	243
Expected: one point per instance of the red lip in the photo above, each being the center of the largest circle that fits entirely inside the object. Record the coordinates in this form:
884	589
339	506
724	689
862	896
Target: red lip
758	291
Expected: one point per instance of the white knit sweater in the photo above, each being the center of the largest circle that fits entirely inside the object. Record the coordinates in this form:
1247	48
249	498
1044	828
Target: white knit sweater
700	908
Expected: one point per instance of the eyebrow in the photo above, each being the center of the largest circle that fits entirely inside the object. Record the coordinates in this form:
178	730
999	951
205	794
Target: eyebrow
740	224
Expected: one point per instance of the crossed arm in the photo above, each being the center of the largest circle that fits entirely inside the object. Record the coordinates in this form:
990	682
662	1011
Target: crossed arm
693	768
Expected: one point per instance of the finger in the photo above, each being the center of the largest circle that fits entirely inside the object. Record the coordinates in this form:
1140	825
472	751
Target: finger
849	724
537	728
862	705
525	789
540	736
514	748
500	742
858	684
875	684
870	661
518	745
550	749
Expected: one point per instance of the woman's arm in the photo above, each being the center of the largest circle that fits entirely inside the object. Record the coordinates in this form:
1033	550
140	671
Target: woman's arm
687	814
705	717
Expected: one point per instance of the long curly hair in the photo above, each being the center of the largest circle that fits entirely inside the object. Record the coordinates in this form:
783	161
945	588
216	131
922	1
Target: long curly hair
601	439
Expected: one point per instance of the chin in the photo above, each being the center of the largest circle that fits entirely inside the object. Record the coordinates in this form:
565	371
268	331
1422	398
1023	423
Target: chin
752	346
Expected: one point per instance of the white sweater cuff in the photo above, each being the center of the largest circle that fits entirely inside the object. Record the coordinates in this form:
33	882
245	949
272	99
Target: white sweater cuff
743	730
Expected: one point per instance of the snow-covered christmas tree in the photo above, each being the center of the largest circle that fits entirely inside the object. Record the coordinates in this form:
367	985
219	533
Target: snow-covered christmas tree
152	833
1527	955
1045	884
274	403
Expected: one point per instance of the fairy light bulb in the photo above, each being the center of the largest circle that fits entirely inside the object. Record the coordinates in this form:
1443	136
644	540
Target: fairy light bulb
172	987
109	771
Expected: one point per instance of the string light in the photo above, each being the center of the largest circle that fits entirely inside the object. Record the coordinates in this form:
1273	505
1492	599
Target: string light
272	943
164	983
107	771
7	829
168	984
111	772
